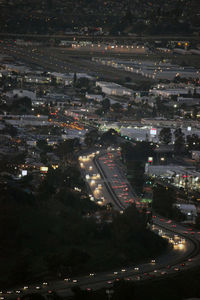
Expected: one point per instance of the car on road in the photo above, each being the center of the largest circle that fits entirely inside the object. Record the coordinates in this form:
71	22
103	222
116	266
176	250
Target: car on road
74	280
182	265
66	279
45	283
163	272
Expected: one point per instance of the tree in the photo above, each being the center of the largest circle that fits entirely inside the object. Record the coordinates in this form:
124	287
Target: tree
75	78
117	107
105	104
83	83
22	105
193	142
126	151
43	145
138	152
198	221
91	137
53	81
9	129
109	137
66	149
99	112
165	135
195	113
179	144
164	199
128	79
124	226
135	156
174	97
135	171
49	4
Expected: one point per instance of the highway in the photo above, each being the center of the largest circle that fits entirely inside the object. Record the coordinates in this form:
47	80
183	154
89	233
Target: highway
182	255
109	166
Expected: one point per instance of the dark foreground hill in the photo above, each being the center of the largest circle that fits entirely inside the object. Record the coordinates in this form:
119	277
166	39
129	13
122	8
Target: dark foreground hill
113	16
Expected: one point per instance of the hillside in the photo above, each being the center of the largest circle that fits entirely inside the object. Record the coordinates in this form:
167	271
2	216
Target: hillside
54	232
113	16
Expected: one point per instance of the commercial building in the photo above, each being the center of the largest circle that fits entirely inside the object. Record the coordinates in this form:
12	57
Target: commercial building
196	155
35	79
180	176
62	78
151	69
95	97
162	122
189	210
21	94
166	93
111	88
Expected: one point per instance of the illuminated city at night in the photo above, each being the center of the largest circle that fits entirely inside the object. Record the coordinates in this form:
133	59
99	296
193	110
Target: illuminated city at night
99	150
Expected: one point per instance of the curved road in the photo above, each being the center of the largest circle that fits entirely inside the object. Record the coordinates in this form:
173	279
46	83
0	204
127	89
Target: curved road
184	254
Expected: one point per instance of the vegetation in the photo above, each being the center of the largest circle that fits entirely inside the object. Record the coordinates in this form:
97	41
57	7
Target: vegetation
193	142
116	16
54	232
135	157
179	145
165	135
109	137
164	202
92	137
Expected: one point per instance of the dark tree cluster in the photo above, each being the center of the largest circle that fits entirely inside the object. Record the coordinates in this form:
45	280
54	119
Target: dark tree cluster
135	156
164	199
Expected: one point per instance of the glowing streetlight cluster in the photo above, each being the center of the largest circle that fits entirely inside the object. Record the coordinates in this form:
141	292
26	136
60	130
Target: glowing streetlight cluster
175	240
93	179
